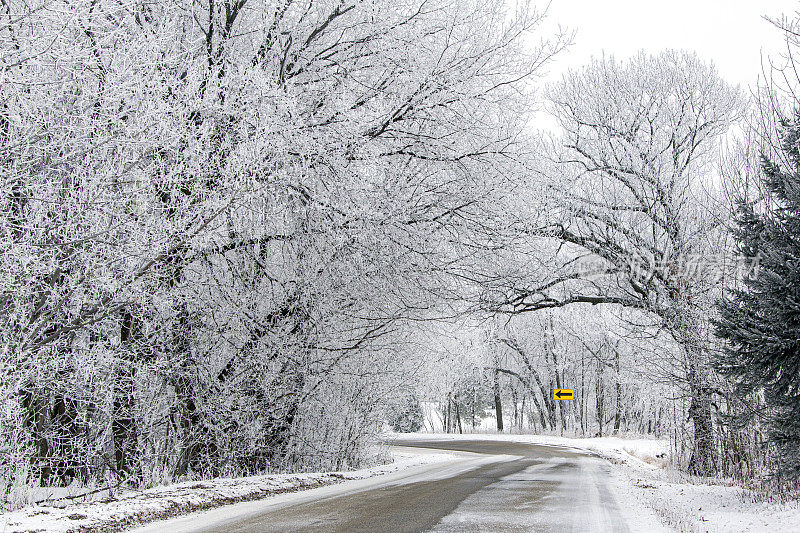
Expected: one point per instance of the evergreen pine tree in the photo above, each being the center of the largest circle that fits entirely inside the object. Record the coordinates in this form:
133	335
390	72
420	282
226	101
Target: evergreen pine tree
761	321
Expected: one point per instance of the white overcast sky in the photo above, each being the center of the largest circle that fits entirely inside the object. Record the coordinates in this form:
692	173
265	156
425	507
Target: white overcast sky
730	33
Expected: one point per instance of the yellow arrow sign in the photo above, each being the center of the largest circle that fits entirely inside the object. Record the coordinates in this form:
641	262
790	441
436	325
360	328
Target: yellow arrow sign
563	394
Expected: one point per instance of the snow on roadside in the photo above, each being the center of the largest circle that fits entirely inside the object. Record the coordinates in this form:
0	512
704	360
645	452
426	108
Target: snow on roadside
642	479
136	508
709	505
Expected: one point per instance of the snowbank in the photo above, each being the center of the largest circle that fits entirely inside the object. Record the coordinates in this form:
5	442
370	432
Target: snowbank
709	505
135	508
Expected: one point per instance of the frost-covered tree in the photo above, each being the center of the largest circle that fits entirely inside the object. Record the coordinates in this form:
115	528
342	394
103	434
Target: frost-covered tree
213	215
623	219
407	416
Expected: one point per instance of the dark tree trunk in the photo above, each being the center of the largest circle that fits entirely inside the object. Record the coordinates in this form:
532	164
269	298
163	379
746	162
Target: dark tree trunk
618	391
54	431
550	356
191	434
600	398
66	432
473	420
561	405
701	462
35	414
123	426
498	405
515	420
123	420
447	414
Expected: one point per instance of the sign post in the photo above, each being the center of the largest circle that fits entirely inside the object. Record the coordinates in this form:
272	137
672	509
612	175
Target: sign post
563	394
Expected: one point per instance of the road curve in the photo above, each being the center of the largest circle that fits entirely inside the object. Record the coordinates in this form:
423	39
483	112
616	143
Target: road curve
493	486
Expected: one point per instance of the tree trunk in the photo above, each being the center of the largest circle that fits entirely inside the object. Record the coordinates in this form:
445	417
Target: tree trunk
498	405
474	414
515	421
447	415
34	408
185	413
701	462
67	455
618	391
599	398
123	422
550	350
582	397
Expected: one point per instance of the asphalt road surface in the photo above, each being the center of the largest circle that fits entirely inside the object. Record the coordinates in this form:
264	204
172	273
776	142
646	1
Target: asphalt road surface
491	486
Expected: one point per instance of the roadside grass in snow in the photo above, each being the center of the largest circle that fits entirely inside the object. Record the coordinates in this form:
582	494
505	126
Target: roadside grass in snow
769	490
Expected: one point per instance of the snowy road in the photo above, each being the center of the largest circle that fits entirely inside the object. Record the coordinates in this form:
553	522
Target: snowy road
489	486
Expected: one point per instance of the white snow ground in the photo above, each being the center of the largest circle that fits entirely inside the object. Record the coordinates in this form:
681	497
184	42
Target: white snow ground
135	508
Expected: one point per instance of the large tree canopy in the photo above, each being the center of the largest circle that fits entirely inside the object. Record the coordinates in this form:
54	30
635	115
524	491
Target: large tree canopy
213	214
